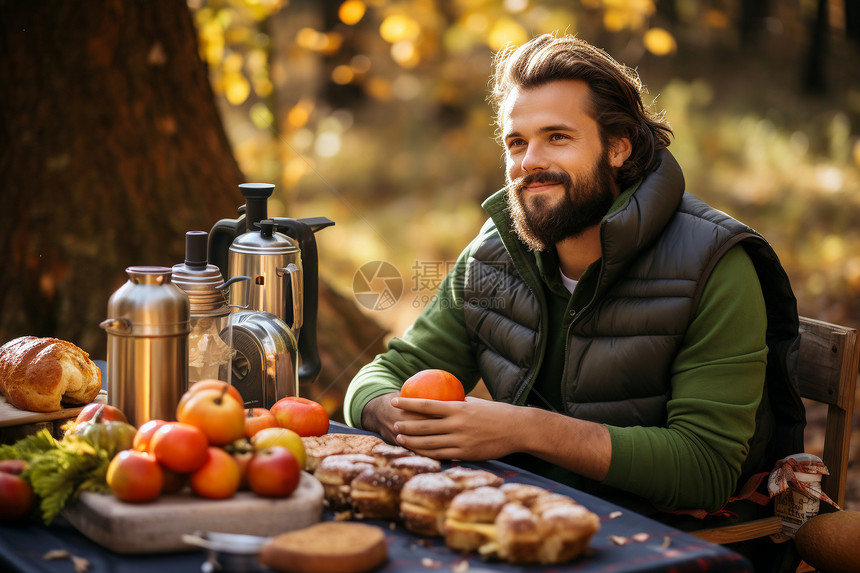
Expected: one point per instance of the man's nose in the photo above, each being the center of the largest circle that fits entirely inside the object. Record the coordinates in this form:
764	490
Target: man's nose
534	159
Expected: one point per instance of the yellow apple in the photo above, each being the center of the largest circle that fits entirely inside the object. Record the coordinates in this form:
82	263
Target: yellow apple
268	437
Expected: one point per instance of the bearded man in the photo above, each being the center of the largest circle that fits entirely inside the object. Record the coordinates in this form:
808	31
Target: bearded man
636	342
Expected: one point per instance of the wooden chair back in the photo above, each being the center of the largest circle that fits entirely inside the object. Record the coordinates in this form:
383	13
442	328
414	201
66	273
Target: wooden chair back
827	373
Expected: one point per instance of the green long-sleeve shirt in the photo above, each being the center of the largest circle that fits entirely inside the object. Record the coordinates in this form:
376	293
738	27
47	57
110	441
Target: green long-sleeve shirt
717	381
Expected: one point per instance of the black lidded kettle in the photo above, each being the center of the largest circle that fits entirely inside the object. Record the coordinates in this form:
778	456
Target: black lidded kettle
278	329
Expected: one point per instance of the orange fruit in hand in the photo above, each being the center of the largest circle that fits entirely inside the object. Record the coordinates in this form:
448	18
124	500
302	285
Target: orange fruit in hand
135	476
180	447
304	417
218	477
433	384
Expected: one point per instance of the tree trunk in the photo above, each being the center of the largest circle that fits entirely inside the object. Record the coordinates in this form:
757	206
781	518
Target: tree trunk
852	21
814	80
753	14
112	148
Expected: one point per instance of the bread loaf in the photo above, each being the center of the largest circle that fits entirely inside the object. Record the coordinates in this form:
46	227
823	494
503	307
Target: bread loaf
327	547
831	541
39	374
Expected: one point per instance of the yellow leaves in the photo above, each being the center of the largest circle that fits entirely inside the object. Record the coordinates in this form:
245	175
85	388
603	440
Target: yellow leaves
351	12
234	48
261	115
342	75
211	36
316	41
379	88
659	42
832	249
405	54
402	32
236	87
504	32
300	113
626	14
399	28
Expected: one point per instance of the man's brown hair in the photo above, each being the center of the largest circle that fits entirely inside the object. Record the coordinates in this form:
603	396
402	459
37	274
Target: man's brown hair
616	94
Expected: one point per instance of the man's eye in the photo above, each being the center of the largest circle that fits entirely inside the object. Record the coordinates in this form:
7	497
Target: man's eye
515	143
557	137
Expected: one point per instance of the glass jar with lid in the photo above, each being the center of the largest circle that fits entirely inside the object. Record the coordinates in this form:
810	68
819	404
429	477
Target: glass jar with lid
210	342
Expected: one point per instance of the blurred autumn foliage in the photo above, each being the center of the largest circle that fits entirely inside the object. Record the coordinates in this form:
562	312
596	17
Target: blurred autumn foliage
373	113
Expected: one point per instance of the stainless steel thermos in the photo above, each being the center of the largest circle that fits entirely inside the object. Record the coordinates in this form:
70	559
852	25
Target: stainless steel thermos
147	350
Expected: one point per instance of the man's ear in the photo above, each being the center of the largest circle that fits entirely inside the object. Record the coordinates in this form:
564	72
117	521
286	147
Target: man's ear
619	150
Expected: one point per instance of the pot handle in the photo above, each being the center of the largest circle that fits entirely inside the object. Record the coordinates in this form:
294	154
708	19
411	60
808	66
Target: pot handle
118	324
247	291
296	285
302	230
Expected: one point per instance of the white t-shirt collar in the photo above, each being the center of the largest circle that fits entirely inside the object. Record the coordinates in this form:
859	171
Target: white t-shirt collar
568	283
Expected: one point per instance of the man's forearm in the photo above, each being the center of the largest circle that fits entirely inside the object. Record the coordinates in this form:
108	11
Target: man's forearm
579	446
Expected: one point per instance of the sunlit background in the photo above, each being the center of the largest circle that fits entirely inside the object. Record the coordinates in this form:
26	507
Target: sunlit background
374	114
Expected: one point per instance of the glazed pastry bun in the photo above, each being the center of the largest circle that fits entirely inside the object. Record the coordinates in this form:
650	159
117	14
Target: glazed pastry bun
470	519
424	501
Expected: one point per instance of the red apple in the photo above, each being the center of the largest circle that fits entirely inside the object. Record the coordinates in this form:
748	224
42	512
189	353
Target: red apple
14	467
304	417
274	472
109	413
243	459
257	419
135	476
17	499
143	437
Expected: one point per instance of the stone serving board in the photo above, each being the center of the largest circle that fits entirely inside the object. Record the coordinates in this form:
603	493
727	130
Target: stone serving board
158	526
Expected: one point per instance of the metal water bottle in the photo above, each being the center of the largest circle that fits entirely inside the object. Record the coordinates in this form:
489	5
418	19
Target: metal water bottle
147	350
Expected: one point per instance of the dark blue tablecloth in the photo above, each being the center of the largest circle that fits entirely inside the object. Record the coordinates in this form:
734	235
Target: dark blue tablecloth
666	549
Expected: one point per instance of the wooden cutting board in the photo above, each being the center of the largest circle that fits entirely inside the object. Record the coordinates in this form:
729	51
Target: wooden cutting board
158	526
12	416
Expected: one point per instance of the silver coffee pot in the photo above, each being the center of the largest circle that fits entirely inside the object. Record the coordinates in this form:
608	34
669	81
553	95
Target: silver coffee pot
275	337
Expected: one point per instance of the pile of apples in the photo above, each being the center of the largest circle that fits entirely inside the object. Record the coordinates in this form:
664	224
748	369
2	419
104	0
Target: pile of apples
218	447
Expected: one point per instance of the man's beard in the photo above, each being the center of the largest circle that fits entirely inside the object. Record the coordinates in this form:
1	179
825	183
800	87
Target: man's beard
541	225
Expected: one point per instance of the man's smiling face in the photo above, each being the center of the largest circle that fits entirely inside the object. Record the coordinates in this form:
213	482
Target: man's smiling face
560	176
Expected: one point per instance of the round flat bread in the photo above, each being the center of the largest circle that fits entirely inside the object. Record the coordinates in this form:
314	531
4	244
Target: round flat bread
327	547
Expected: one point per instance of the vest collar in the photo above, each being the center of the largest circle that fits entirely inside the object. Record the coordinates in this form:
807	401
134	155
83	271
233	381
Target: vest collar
632	224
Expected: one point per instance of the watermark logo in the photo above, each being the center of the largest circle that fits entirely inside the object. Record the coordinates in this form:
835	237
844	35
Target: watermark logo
377	285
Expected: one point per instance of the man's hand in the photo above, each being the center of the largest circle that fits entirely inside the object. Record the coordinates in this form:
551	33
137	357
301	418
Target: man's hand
468	430
483	430
380	416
